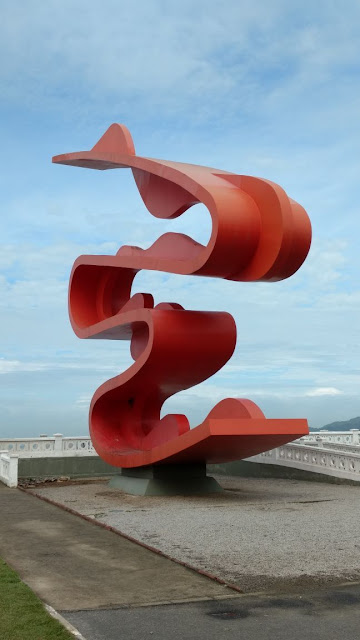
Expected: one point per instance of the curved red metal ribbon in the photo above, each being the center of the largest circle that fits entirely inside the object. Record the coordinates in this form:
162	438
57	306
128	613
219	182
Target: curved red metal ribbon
258	233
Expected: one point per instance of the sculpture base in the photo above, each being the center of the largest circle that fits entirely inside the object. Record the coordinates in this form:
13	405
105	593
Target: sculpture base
165	480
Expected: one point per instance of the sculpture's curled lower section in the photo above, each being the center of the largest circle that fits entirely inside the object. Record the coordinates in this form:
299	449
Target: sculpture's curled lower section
258	234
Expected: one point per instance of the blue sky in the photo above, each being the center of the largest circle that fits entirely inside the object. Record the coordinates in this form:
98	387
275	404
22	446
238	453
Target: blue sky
265	89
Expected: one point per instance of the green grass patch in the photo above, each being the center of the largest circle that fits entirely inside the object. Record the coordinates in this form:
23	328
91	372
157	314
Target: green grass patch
22	614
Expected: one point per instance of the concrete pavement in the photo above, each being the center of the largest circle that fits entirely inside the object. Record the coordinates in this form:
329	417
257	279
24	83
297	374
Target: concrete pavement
71	564
326	615
110	588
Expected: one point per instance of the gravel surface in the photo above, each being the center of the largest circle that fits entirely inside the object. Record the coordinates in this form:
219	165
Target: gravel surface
258	534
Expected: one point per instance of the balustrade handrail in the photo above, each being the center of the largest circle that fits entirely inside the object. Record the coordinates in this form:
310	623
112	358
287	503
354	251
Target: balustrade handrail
324	432
308	447
351	437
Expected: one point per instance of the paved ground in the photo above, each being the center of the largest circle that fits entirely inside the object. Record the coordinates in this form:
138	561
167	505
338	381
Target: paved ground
72	564
110	588
259	534
329	615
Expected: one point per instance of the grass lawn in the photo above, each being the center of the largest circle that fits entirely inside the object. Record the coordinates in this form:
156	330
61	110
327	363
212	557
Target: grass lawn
22	615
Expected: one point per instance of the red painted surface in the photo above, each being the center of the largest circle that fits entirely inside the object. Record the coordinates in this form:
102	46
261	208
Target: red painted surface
258	233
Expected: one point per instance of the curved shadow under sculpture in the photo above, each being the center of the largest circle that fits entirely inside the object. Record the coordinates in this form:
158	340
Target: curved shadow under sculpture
258	233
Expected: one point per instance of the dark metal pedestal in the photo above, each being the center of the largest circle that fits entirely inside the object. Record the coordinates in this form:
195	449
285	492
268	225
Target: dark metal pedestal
165	480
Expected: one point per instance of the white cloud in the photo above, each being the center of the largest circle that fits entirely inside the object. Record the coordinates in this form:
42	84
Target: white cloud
83	401
176	56
13	366
323	391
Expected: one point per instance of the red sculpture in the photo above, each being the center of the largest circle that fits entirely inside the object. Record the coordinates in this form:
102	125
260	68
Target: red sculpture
258	233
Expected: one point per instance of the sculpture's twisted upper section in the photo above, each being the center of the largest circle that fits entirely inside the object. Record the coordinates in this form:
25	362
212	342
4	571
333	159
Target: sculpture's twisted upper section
258	233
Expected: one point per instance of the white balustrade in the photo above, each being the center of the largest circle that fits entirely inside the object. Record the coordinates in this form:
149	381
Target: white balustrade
330	453
340	464
57	446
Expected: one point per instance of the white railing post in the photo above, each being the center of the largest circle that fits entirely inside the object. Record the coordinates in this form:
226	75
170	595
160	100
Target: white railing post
58	443
13	470
2	466
355	436
9	469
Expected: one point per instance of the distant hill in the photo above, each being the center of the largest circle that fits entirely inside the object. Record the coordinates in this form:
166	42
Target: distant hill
344	425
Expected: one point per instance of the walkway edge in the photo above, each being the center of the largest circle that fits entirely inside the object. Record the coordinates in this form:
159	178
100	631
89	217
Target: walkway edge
68	626
201	572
